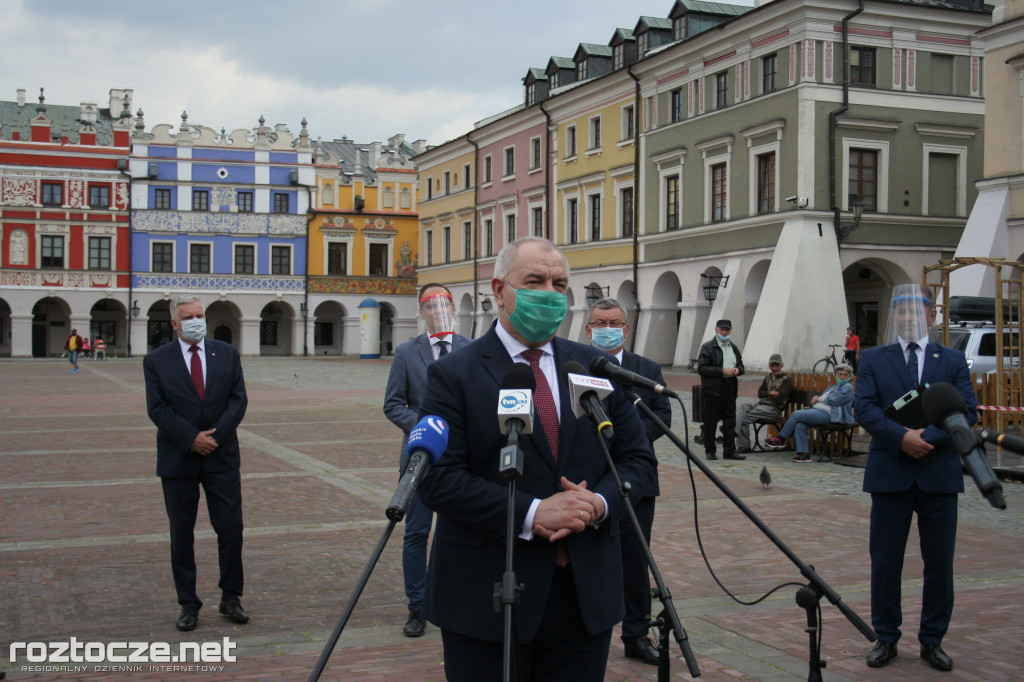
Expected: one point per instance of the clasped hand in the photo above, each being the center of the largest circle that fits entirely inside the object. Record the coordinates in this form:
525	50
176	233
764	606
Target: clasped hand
914	444
204	443
567	512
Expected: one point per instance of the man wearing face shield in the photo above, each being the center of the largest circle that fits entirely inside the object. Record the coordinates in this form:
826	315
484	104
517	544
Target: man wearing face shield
910	471
609	331
407	382
567	507
195	394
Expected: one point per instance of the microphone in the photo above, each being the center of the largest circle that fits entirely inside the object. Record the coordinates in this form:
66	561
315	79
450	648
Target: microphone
945	408
606	367
586	392
427	442
1004	440
515	401
515	417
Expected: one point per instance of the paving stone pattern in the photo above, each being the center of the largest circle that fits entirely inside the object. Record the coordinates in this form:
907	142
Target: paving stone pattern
84	550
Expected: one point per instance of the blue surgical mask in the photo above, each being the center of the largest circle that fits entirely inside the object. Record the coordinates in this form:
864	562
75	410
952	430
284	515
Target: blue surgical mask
607	339
843	381
724	338
538	313
194	329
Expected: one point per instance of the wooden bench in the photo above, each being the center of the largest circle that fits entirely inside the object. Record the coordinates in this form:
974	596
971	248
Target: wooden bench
827	440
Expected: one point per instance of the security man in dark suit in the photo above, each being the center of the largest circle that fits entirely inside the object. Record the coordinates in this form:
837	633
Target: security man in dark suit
609	331
910	471
195	394
566	506
719	364
407	382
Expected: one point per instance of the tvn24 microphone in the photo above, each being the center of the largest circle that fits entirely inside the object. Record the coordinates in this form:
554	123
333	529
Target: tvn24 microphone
586	392
606	367
515	417
427	442
946	409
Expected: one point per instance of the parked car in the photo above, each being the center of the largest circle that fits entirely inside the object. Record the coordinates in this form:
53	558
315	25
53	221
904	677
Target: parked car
978	342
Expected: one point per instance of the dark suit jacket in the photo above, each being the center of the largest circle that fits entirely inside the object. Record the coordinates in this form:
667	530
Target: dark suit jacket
179	414
470	497
658	403
882	377
407	382
709	365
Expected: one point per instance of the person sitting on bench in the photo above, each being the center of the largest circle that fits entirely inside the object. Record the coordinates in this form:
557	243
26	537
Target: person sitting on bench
835	405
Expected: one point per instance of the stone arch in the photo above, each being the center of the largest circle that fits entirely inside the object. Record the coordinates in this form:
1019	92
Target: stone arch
328	328
108	319
868	285
276	321
663	323
51	325
158	324
753	286
387	327
465	314
5	328
223	322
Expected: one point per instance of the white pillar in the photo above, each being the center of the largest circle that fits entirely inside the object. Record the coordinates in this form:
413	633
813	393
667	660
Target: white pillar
137	327
693	316
249	343
21	336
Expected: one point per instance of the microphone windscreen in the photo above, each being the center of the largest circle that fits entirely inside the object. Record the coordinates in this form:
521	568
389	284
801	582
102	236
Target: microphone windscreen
598	364
429	434
519	376
573	367
939	400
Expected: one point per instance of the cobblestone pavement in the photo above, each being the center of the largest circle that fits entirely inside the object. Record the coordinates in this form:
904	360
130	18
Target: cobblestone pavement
84	550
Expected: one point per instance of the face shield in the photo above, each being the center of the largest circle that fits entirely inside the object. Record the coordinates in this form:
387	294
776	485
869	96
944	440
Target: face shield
911	313
438	311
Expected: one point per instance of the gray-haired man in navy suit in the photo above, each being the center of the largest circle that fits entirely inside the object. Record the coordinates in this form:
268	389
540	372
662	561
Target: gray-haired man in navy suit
609	331
195	394
407	383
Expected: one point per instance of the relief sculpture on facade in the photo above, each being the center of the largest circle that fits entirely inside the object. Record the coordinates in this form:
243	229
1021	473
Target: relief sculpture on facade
18	192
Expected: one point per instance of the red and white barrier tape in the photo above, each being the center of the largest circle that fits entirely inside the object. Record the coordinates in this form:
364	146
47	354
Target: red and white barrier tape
1000	408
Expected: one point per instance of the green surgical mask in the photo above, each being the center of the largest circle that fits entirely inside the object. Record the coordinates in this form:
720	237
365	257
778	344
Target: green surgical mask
843	381
538	313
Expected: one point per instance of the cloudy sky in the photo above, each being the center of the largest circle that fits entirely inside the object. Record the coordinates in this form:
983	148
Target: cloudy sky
364	69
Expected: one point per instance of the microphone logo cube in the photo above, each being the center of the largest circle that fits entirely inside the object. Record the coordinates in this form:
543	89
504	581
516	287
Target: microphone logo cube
515	403
584	383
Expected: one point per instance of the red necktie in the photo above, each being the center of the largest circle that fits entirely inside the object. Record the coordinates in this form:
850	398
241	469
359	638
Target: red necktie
545	404
543	400
196	367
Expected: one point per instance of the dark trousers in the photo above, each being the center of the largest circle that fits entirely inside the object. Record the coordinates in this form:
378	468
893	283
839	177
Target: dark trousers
414	551
562	650
721	407
635	581
224	501
891	515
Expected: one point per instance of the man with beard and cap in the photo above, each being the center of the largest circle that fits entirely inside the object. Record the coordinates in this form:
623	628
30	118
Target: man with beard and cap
910	471
609	331
772	396
566	505
407	382
720	364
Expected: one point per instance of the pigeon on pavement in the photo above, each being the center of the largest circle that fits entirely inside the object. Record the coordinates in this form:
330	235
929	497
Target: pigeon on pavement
766	478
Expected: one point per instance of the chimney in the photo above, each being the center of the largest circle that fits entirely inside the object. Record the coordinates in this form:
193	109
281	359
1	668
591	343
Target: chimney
120	101
21	97
396	140
374	154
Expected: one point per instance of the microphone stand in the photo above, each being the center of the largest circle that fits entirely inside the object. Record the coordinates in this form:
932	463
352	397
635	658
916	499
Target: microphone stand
356	593
807	597
668	619
506	593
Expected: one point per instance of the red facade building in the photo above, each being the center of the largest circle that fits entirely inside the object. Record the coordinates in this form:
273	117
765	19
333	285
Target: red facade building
65	224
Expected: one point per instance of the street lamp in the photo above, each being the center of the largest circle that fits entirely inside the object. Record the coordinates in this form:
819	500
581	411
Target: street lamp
135	309
711	288
857	206
595	294
486	304
303	310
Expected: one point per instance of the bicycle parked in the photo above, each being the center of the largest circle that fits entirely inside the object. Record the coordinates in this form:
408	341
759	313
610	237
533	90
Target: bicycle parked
827	365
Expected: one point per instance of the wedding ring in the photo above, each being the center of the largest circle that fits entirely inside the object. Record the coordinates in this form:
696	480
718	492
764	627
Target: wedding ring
579	515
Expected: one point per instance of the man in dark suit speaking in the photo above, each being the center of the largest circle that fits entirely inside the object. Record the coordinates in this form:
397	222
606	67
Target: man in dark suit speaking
910	471
195	394
609	331
567	506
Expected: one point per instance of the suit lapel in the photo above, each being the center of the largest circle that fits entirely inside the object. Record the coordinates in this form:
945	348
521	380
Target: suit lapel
568	422
899	365
426	352
932	360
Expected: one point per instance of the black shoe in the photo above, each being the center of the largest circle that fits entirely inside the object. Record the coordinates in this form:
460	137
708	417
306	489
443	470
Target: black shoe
232	608
744	451
881	654
189	617
642	648
936	657
733	455
710	455
415	626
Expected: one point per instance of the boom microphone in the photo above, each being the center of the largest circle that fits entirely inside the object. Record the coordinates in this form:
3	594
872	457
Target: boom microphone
1003	440
945	408
586	392
605	367
427	442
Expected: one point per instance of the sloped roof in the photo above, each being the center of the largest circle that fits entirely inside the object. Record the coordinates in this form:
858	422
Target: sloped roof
65	121
624	34
594	50
654	22
712	7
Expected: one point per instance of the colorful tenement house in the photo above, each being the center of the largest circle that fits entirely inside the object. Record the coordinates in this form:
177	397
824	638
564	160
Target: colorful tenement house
363	246
222	216
64	221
